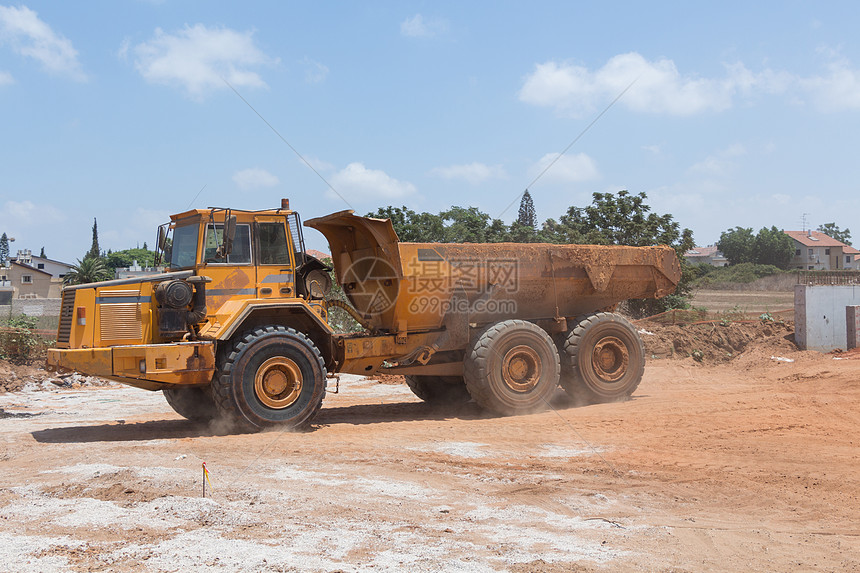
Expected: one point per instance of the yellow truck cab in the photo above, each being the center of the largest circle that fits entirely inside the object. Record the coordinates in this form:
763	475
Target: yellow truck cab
225	270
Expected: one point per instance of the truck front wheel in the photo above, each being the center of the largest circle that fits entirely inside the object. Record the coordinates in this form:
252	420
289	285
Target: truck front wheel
512	368
605	359
272	375
194	403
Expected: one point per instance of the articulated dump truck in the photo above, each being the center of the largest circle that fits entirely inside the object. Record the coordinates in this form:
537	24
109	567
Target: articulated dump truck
237	326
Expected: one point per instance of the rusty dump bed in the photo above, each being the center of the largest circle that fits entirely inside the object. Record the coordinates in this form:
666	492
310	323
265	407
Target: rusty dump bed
408	287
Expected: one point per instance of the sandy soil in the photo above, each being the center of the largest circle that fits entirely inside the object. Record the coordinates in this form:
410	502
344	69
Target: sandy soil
751	302
751	464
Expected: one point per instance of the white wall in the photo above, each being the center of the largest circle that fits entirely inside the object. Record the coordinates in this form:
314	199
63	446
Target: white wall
819	315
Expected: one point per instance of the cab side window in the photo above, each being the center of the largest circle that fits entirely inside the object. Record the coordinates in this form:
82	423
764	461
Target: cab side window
241	254
273	244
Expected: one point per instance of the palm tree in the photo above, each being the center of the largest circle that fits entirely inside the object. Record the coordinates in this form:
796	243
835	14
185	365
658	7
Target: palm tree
90	270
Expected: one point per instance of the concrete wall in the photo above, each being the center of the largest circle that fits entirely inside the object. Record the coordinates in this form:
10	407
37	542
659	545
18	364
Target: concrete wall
46	311
32	307
819	316
852	318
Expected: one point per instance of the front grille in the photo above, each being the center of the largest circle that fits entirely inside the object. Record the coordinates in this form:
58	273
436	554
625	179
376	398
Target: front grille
67	311
119	320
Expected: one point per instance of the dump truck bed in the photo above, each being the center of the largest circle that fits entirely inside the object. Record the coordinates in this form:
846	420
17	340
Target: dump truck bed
402	287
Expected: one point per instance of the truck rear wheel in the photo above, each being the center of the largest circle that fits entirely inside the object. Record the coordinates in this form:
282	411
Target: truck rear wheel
438	389
605	359
272	375
194	403
512	368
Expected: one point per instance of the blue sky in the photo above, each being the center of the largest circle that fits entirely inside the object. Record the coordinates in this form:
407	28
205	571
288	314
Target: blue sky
742	114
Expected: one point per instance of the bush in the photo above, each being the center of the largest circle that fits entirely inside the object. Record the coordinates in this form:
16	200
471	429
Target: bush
339	319
18	342
741	273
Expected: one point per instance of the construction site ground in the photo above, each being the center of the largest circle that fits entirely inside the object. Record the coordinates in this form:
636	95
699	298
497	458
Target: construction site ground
745	458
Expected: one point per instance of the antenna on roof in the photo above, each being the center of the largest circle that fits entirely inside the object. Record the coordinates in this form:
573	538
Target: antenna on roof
803	222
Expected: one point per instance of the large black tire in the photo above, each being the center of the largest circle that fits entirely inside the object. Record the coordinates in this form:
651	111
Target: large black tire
512	368
604	359
439	389
194	403
273	375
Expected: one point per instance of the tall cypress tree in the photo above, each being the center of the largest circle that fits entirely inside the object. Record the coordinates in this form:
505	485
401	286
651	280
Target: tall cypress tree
527	214
4	250
95	251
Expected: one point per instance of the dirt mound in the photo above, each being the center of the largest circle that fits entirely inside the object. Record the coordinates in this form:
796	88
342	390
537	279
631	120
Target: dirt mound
716	342
15	377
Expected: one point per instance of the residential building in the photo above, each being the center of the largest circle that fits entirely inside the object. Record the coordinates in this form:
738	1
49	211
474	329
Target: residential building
709	255
815	251
56	269
26	281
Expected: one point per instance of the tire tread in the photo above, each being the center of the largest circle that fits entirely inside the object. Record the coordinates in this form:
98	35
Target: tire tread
222	384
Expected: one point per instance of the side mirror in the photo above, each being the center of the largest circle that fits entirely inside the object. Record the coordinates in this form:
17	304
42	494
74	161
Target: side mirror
227	236
162	234
159	244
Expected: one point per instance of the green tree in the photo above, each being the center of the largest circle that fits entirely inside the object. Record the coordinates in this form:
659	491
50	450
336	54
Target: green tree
42	253
411	226
4	250
737	245
123	259
465	225
569	229
89	270
841	235
498	232
625	219
527	216
773	247
95	251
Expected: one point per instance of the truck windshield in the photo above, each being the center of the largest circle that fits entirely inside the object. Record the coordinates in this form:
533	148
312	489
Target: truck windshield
183	249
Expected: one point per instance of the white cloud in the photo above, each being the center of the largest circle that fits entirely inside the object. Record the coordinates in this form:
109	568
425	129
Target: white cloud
568	169
316	163
357	181
29	36
315	72
837	90
473	173
254	178
22	211
720	163
26	212
658	87
137	230
418	27
197	57
6	78
150	219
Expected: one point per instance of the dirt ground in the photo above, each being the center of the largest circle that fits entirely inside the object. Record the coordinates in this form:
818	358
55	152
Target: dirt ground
752	301
748	462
